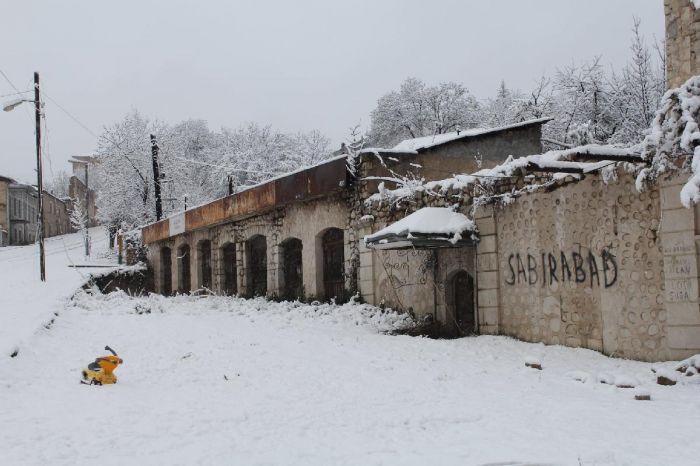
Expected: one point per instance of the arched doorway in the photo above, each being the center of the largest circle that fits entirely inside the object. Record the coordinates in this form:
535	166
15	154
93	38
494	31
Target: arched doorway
166	271
293	284
462	289
184	282
257	266
229	267
204	263
333	263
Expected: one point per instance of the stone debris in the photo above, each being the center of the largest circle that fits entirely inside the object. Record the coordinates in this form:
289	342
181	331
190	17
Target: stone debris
666	377
642	394
623	381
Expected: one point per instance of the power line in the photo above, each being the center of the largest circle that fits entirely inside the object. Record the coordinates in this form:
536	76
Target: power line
14	93
26	110
81	124
241	170
10	82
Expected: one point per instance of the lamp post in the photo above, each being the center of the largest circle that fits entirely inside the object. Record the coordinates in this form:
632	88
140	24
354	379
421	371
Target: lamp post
40	185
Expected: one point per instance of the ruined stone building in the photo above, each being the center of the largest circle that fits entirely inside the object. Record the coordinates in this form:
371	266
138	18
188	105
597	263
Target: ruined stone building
79	186
560	248
300	235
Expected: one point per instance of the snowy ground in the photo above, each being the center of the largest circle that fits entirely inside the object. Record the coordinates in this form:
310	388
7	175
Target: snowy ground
25	302
215	380
228	381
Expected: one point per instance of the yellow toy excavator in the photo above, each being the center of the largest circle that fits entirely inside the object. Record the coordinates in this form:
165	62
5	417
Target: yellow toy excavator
101	371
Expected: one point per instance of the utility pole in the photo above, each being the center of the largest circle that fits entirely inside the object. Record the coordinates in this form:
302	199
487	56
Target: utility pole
156	177
87	212
40	182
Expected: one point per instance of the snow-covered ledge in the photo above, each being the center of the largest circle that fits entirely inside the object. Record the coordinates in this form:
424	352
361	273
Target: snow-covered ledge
429	227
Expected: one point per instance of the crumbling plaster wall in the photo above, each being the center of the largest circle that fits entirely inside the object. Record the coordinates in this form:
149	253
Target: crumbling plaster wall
306	221
413	280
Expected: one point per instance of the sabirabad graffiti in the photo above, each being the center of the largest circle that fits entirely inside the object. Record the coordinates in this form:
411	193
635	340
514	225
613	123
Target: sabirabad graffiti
561	267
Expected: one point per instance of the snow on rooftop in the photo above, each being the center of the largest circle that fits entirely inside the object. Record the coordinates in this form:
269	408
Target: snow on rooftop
428	221
437	139
415	144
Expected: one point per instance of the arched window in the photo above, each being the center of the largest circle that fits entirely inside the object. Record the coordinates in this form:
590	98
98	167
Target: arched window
166	271
184	282
228	255
291	255
333	263
256	266
204	263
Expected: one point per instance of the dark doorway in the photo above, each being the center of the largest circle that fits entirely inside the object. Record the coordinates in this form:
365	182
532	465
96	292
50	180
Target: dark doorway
229	266
333	264
204	262
292	273
166	271
184	283
463	294
257	266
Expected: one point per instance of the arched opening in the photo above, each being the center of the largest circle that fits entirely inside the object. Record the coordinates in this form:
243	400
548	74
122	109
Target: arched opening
333	263
292	278
228	254
184	282
256	275
461	301
204	263
166	271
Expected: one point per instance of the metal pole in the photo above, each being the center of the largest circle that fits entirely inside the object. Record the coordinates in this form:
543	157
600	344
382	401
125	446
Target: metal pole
40	182
156	177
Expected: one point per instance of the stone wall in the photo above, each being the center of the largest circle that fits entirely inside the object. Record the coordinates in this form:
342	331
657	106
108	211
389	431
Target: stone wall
682	41
583	266
680	235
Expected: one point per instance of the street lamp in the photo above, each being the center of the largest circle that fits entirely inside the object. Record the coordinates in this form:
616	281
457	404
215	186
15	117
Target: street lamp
9	106
40	185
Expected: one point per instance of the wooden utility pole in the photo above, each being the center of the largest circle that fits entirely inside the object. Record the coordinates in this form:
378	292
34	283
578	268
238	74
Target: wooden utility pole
40	182
156	177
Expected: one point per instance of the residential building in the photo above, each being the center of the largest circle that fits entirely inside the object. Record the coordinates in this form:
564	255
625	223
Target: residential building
23	213
4	210
19	213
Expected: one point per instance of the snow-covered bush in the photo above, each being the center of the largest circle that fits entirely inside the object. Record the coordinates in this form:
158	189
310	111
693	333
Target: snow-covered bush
674	141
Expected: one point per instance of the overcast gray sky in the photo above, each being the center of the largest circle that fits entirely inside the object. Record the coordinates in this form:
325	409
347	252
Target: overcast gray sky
297	65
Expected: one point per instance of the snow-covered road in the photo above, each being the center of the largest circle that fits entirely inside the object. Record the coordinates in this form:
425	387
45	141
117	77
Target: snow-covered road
228	381
25	302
